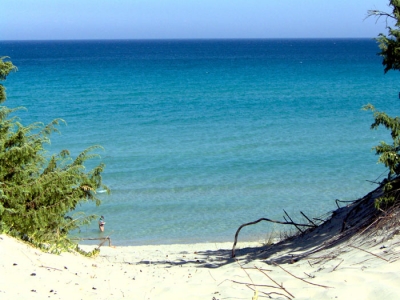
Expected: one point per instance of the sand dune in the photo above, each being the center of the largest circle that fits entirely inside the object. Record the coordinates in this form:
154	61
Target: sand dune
199	271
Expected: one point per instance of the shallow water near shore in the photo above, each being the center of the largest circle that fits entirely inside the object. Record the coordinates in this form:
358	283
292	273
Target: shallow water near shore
201	136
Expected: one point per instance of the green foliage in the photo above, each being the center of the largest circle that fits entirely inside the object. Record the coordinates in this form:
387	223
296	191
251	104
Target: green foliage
390	44
37	192
389	154
92	253
5	68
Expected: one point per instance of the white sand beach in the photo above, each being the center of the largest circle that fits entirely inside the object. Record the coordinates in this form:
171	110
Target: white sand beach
353	254
200	271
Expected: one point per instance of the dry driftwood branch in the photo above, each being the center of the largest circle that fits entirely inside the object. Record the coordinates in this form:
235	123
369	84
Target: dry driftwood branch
250	286
259	220
270	293
46	267
394	259
387	219
324	286
311	276
257	285
211	275
369	226
244	271
369	253
317	219
308	219
104	239
337	202
279	285
365	200
373	181
361	262
338	265
298	228
275	293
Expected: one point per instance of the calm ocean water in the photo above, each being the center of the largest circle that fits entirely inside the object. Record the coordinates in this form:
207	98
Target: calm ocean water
201	136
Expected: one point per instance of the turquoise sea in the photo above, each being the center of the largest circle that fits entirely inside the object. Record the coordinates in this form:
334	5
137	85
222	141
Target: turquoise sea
201	136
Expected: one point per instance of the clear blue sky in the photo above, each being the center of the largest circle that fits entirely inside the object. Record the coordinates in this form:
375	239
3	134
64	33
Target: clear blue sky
149	19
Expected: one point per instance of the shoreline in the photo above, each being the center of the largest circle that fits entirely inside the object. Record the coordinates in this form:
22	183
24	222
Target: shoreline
199	271
345	257
96	241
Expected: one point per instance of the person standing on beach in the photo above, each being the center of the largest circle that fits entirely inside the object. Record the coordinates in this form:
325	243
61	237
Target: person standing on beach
101	223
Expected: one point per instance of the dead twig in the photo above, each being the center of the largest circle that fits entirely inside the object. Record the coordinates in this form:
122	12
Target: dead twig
318	219
104	240
255	285
369	253
361	262
244	270
324	286
365	200
343	201
259	220
280	286
311	276
308	219
337	265
50	268
270	293
298	228
369	226
275	293
211	275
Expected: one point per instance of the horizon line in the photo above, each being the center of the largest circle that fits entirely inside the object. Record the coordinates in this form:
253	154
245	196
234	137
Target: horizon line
183	39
